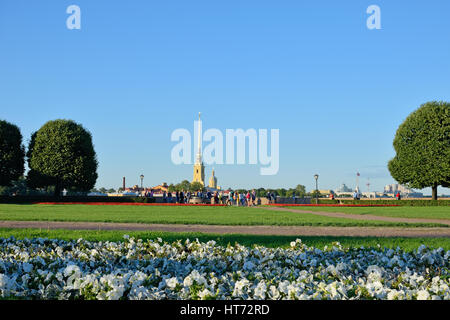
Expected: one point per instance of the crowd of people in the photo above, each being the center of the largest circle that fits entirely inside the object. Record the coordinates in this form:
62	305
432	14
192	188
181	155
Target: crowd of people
242	199
231	198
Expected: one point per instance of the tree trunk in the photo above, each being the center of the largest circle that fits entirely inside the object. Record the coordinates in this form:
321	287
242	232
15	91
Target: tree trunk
434	192
57	190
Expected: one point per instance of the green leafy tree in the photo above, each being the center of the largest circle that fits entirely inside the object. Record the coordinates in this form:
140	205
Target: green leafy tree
184	185
281	192
315	194
300	190
289	193
171	188
261	192
61	154
196	186
12	153
422	145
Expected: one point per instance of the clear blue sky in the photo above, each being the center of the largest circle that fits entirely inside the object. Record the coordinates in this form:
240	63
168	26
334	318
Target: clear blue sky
137	70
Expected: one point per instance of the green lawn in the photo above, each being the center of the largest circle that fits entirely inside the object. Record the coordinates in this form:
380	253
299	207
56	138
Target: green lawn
247	240
438	212
181	215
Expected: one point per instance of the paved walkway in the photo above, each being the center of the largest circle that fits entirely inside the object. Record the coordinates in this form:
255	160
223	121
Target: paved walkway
362	217
254	230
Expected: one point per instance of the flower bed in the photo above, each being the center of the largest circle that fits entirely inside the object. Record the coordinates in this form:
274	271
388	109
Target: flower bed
134	269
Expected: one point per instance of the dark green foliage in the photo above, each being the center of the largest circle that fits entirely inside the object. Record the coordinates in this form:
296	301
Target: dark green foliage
140	199
422	145
299	190
18	188
29	199
12	153
61	154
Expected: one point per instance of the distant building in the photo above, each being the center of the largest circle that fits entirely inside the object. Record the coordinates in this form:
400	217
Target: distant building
343	188
199	168
371	194
392	189
212	181
324	192
343	191
160	188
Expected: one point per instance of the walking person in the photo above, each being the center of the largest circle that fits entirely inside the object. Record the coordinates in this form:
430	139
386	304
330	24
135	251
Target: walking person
272	195
188	197
230	198
181	196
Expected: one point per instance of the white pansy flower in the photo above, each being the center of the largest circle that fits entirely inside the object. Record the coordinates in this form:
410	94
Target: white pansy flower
172	282
205	293
423	295
260	290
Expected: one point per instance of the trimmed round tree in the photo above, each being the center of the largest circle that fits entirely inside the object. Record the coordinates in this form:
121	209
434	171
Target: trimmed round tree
422	146
12	153
61	154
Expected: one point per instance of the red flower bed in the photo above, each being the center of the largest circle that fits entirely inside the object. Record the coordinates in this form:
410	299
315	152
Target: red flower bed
133	204
332	205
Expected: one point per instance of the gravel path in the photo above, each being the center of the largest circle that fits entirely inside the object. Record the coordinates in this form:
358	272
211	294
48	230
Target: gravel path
361	217
255	230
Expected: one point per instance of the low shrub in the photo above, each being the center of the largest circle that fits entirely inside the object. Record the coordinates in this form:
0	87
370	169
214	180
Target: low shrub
420	203
40	198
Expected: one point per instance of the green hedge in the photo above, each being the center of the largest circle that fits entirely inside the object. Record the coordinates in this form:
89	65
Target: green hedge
32	199
421	203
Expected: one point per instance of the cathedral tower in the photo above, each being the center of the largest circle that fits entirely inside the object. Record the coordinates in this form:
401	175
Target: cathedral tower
213	181
199	168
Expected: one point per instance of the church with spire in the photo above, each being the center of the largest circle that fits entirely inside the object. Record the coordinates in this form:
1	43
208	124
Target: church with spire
199	167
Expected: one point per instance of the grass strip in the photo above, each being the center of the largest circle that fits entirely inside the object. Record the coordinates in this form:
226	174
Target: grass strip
185	215
404	243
